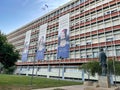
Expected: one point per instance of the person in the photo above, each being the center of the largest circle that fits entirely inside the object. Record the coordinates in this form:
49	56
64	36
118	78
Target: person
103	61
26	45
41	44
63	44
63	38
41	49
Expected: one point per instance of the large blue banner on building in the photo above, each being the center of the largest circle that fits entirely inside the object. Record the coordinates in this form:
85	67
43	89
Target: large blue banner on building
26	46
63	37
41	42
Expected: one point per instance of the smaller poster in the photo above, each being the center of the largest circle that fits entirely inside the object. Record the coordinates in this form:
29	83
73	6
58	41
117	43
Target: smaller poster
26	46
41	42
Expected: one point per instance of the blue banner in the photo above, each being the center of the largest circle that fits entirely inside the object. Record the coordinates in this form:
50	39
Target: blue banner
63	37
41	42
63	45
26	46
41	49
24	57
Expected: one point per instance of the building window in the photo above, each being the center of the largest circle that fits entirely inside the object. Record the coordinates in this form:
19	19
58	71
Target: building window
38	69
77	42
77	54
117	36
109	39
21	68
88	42
82	31
95	40
88	29
100	25
72	54
102	39
94	27
118	52
83	54
95	54
115	22
114	11
108	24
81	1
55	57
83	42
110	52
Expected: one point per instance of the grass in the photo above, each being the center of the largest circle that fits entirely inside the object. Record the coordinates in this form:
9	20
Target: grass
23	82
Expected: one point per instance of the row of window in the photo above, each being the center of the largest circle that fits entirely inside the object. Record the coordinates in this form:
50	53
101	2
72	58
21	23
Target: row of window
65	8
88	53
49	69
105	37
93	39
73	4
91	28
94	27
86	18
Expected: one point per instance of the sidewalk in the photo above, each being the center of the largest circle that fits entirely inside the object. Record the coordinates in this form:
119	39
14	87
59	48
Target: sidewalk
74	87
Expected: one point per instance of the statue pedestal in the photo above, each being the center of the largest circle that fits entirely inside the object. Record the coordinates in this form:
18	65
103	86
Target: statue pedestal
104	81
103	84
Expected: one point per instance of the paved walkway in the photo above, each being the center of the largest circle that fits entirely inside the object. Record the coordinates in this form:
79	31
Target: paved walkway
75	87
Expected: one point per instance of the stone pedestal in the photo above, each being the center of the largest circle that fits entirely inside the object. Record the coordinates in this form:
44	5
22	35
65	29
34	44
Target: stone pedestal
102	84
104	81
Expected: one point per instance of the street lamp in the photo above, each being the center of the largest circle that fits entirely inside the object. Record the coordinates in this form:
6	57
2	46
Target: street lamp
33	68
59	66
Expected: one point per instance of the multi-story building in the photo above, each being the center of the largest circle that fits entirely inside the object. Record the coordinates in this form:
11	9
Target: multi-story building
92	24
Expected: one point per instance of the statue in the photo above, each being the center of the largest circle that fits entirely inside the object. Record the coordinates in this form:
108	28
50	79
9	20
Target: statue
103	62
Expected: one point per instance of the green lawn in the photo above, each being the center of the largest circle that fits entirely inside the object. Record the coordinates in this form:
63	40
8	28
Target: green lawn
23	82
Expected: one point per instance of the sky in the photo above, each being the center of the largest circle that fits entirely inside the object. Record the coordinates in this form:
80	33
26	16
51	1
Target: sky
16	13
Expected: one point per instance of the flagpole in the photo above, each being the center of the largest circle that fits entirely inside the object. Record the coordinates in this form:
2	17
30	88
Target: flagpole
34	58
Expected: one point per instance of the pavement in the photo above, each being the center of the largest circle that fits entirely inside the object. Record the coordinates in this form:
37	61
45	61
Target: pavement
74	87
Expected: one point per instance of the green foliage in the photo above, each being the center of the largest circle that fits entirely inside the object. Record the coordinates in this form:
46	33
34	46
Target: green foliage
93	67
9	70
114	67
8	54
2	39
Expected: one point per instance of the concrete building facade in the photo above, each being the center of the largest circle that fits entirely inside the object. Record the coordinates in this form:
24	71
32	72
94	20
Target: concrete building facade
92	24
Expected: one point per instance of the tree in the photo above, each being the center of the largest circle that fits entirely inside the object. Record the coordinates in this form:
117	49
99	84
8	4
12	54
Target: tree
8	54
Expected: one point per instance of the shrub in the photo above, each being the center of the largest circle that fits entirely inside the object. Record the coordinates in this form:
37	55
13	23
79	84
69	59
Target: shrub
93	67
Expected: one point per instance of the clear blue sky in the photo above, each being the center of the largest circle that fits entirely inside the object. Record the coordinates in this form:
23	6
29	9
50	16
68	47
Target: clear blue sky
16	13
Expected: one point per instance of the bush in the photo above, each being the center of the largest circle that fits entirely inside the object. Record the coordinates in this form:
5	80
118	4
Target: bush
9	70
93	67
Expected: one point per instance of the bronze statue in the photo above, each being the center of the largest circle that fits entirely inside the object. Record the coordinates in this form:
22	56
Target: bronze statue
103	62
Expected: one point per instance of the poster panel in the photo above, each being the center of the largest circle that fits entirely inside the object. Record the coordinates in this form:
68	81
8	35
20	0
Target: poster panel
41	42
26	46
63	37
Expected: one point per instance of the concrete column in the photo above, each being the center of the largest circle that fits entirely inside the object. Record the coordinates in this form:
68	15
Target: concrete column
83	78
48	76
63	70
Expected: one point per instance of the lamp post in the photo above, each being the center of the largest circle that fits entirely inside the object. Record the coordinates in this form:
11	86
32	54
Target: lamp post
59	66
31	82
